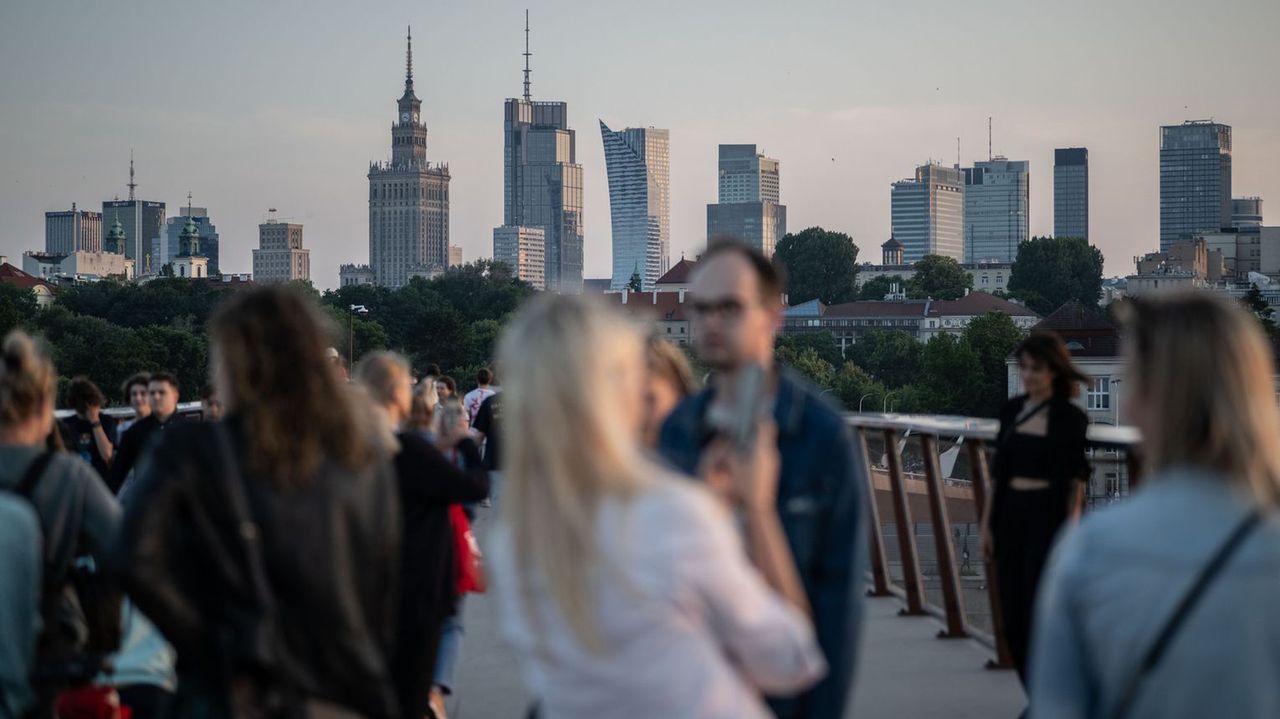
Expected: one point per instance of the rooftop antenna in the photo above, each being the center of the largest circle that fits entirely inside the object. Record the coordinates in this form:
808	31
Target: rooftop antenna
527	54
408	55
989	153
957	152
132	185
188	203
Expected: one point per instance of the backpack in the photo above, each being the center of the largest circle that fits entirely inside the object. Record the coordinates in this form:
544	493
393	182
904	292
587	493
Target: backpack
80	613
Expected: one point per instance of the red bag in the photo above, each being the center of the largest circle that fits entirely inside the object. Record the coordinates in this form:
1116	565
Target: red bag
469	559
91	702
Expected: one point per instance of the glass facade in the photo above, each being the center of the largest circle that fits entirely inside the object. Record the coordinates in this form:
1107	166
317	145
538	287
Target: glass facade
637	161
928	213
143	221
997	208
1195	179
72	230
748	194
523	250
542	185
165	247
1071	192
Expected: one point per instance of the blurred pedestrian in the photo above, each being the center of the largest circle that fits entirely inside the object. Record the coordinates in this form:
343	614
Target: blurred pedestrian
624	588
736	298
162	397
1040	470
670	380
266	549
477	396
422	411
210	405
134	390
446	387
88	432
429	483
1164	604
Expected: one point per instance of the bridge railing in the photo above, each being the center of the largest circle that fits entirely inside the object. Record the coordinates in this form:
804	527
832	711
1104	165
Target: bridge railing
961	445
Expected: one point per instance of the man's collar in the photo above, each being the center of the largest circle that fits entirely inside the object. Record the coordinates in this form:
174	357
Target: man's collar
788	401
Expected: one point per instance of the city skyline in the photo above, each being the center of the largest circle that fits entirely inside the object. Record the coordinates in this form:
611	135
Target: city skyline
294	123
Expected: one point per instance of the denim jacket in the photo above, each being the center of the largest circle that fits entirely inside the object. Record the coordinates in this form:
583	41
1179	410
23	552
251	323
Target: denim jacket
1115	580
822	495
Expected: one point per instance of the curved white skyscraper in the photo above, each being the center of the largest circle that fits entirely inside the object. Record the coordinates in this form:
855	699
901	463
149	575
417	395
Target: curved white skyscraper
637	160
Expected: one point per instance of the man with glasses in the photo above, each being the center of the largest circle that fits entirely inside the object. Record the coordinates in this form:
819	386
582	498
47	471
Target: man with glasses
736	294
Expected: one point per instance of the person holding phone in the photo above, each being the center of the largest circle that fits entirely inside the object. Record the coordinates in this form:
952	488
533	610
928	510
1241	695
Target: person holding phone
821	484
623	587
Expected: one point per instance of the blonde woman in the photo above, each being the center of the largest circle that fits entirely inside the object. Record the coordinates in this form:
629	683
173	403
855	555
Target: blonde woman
622	586
1121	627
670	380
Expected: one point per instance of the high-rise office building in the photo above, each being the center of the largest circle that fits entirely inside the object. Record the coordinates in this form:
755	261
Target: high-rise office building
455	255
522	250
1195	179
542	180
928	213
408	198
637	160
1071	192
748	209
1246	212
280	256
997	209
142	221
166	247
72	230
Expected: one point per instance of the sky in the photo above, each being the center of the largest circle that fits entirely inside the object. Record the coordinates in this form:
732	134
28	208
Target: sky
252	105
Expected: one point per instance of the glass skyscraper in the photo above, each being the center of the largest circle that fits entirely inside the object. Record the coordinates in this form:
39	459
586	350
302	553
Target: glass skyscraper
928	213
997	208
1071	192
637	160
166	247
748	209
1195	179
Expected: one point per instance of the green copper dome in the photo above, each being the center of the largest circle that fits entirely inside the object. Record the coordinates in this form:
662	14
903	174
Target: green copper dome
189	240
115	238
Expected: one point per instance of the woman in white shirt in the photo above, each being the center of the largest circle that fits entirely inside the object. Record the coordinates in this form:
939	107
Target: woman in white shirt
624	587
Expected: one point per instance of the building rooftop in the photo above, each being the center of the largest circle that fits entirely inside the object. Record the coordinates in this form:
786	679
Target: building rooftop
980	303
596	286
11	275
665	306
1087	332
679	273
892	244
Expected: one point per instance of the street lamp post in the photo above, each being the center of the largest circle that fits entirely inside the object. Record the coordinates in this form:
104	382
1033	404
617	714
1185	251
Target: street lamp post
864	397
885	409
352	311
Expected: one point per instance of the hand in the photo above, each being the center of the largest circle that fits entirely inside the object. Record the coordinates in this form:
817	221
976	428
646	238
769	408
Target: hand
755	474
92	413
716	472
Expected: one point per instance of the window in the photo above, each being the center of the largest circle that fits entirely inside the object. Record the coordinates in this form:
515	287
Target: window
1099	396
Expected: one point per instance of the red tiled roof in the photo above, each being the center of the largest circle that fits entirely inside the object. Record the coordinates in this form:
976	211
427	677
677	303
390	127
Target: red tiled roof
1087	332
1075	316
663	306
980	303
11	275
679	273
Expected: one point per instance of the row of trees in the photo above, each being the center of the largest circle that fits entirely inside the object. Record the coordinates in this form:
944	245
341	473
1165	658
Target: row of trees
949	374
107	330
1048	272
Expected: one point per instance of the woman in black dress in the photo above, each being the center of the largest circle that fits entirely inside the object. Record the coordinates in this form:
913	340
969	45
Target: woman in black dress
1039	471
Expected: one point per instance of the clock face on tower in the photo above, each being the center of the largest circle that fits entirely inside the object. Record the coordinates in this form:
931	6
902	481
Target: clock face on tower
404	117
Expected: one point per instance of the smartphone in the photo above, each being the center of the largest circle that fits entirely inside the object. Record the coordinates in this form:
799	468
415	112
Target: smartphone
739	418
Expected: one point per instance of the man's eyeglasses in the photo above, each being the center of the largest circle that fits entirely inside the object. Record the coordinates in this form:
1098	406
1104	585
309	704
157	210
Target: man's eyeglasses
728	309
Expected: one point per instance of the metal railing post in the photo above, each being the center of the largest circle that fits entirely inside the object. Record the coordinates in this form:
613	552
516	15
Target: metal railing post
953	603
879	561
981	481
911	582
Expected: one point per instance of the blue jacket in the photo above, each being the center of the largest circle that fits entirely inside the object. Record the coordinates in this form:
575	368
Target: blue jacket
822	497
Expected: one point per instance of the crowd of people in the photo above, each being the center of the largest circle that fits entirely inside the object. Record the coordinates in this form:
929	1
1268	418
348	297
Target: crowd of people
657	547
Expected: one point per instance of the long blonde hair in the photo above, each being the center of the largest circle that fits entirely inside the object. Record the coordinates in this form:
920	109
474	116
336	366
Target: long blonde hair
571	368
1205	372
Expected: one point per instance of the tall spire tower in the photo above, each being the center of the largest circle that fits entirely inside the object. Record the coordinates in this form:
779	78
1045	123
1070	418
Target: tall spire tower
527	55
132	185
408	59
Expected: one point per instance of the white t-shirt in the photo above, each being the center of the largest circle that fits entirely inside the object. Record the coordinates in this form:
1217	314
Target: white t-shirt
689	627
473	399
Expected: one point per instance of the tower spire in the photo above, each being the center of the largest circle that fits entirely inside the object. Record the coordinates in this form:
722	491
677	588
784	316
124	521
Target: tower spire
527	54
408	58
132	185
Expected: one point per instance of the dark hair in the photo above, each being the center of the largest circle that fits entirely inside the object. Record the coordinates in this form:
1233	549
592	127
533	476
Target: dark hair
83	394
484	376
28	381
771	277
141	378
433	370
271	344
1048	347
166	377
208	393
449	383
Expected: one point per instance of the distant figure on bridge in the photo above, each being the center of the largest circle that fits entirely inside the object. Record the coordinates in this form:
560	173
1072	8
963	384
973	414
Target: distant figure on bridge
1164	604
134	390
266	547
1038	472
477	396
670	381
162	397
88	432
622	586
822	487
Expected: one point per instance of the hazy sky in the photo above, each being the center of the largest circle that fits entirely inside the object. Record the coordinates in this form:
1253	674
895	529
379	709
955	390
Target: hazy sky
251	105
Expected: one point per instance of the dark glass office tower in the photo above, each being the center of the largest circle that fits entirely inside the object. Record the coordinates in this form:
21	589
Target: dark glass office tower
1071	192
1195	179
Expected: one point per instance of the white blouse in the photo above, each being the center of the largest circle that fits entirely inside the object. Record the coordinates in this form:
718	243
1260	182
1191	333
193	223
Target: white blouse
688	627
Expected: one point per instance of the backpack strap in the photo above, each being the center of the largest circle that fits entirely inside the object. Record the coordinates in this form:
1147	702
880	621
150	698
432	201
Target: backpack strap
27	485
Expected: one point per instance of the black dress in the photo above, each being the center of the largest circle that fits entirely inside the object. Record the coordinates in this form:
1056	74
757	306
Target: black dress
1025	522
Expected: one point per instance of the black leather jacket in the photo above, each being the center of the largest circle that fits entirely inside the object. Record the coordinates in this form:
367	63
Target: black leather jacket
331	553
